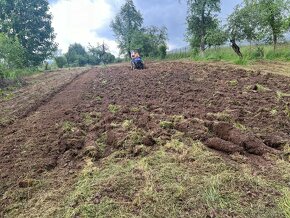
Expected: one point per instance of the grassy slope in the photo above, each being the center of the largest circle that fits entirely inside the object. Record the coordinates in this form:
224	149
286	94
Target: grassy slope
251	54
180	179
176	178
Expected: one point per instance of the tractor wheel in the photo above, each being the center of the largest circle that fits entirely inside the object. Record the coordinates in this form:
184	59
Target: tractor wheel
132	66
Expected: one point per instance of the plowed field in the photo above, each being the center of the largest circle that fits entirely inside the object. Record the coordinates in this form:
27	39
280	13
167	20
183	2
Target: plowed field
64	129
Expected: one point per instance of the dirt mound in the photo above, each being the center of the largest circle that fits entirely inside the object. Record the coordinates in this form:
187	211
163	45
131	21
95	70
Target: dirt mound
224	146
235	139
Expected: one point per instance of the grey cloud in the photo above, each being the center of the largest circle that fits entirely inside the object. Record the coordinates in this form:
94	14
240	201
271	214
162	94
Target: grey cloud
168	13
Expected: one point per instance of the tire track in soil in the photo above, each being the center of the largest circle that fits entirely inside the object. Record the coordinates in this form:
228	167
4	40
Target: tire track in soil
28	149
22	113
47	98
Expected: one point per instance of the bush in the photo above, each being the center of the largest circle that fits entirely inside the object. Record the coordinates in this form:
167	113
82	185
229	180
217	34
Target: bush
11	52
258	53
60	61
162	51
83	60
119	60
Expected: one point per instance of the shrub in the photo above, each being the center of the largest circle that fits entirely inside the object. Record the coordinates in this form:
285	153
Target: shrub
60	61
258	53
11	52
162	51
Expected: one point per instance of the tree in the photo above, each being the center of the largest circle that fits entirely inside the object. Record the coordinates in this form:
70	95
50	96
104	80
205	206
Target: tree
244	22
94	55
162	51
274	18
216	37
127	22
11	52
77	55
149	40
108	58
100	54
30	22
200	20
60	61
158	37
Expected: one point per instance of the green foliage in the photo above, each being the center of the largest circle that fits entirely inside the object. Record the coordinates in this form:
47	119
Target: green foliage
131	35
76	55
200	20
114	108
11	53
216	37
274	18
257	54
12	61
127	22
30	22
260	20
149	41
243	22
61	61
108	58
95	54
251	53
166	124
162	51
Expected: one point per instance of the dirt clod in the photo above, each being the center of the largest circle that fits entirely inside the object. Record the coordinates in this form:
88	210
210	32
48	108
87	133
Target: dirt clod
148	141
222	145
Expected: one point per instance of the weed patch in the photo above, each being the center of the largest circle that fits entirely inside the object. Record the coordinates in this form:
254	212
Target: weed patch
166	124
68	126
114	108
202	184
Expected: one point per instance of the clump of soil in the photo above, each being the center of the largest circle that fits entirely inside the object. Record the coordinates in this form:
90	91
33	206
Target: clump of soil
224	146
232	140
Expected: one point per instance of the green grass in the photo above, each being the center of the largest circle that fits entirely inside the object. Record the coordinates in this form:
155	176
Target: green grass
166	124
68	126
114	108
17	73
250	54
176	180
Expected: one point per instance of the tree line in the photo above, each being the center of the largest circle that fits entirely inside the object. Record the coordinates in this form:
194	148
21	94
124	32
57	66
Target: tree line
78	56
26	34
27	37
253	21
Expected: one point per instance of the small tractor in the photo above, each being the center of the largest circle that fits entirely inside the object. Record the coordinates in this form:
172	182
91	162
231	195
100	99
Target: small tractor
136	61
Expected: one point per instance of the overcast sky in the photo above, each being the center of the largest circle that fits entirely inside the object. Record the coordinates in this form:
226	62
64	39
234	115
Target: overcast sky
87	21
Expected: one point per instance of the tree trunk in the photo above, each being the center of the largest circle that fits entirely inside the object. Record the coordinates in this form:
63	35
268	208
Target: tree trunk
202	45
274	41
129	54
236	48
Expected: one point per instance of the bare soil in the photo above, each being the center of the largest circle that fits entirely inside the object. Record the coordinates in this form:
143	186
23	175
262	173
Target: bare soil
68	117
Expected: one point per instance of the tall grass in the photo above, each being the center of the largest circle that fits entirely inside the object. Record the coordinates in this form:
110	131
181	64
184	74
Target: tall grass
13	77
250	53
17	73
